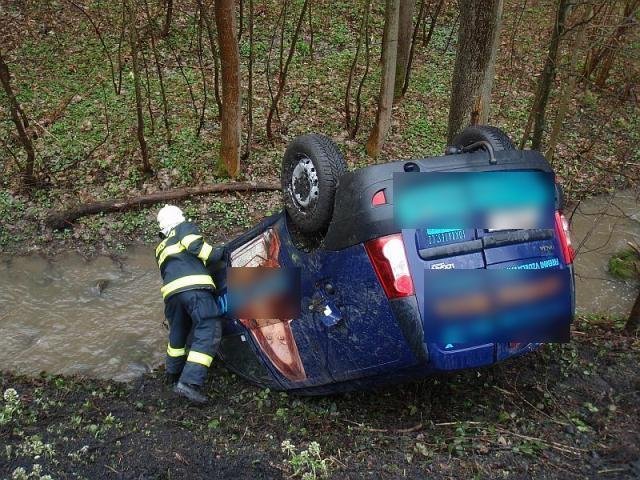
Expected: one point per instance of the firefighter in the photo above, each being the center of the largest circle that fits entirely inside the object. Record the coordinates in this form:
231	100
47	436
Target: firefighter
190	303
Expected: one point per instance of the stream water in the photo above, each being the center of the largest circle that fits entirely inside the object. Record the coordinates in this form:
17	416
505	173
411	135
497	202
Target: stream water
103	318
600	227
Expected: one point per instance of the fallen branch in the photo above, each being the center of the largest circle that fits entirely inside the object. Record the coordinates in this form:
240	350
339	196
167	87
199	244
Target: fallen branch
362	426
63	219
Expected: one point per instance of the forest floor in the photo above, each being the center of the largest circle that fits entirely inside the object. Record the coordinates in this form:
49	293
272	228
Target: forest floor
566	411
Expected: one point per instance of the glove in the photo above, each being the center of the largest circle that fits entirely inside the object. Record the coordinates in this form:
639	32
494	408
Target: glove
222	303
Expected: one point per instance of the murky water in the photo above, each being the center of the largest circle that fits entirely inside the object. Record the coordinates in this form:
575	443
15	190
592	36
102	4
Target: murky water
99	318
602	226
103	318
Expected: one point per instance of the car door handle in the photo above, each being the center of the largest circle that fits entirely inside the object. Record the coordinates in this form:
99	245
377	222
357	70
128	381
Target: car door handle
330	315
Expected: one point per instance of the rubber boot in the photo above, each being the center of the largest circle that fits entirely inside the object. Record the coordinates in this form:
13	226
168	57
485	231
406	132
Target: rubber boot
171	379
190	392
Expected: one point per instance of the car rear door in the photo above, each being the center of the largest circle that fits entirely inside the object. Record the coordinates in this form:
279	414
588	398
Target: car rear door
430	251
364	337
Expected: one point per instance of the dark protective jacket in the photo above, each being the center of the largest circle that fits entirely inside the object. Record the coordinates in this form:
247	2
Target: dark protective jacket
183	257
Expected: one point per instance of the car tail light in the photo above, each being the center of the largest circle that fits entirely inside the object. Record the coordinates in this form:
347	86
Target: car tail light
562	230
390	264
379	198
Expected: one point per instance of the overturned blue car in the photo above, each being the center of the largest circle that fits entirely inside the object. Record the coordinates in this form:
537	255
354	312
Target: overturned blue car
383	302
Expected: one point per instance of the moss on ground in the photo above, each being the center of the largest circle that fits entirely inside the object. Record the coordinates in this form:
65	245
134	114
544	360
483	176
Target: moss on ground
625	264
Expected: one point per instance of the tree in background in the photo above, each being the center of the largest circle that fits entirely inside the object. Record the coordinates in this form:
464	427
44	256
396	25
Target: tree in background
474	68
156	58
569	87
133	44
21	123
405	36
387	82
230	72
166	28
545	82
247	151
601	57
353	125
284	65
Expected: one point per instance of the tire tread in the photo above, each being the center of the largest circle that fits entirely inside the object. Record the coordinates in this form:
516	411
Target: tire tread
499	140
330	165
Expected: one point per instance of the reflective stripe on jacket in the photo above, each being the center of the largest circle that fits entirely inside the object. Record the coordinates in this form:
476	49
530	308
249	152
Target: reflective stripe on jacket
183	258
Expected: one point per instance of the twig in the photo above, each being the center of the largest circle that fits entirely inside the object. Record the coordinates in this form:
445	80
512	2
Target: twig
558	446
612	470
361	426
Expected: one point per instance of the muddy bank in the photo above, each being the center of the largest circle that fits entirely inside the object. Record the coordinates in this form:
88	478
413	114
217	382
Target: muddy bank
566	411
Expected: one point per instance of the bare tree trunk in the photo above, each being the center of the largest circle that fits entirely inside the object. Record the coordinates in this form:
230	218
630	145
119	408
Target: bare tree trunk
604	55
133	43
214	54
434	20
569	88
405	30
475	60
147	88
354	64
163	94
285	4
633	322
414	40
184	76
102	42
454	28
537	115
285	70
247	150
20	121
387	82
199	30
487	84
610	50
367	62
167	18
230	60
120	42
267	67
240	19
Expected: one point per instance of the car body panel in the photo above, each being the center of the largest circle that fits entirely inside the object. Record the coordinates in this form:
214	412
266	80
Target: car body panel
349	335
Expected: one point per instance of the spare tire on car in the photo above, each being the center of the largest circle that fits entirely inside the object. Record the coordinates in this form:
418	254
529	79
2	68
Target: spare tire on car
476	137
311	168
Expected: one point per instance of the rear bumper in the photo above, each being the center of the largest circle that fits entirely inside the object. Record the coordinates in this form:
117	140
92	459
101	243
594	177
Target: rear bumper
435	357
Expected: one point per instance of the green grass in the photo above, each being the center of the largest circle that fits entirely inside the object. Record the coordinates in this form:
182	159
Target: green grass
69	61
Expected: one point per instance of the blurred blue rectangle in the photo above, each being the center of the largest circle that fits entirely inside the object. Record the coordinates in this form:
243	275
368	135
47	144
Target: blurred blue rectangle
485	306
449	202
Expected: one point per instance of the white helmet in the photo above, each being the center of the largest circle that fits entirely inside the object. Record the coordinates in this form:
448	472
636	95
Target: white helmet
168	217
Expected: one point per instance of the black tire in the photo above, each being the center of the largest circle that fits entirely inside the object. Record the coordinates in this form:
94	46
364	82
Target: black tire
311	168
483	133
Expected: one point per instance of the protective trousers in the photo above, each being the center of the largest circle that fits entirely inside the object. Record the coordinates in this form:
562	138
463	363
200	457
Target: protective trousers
196	312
